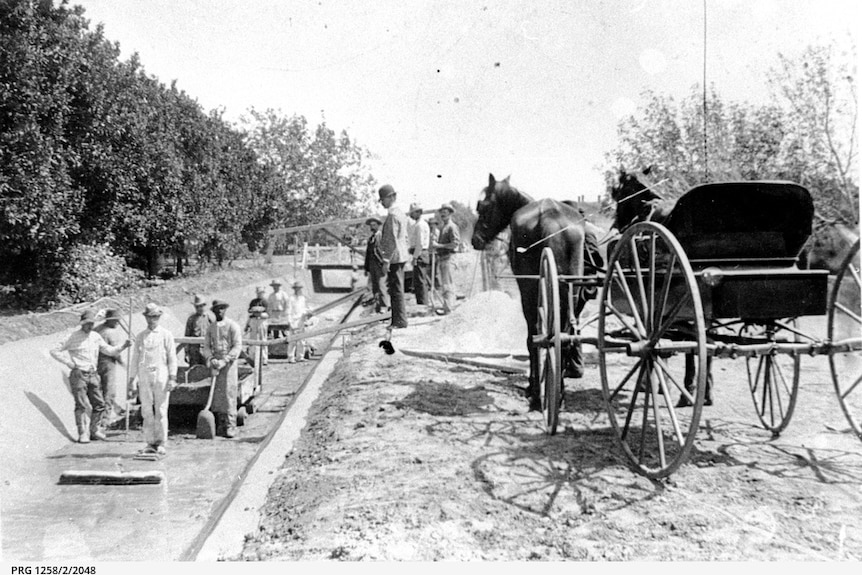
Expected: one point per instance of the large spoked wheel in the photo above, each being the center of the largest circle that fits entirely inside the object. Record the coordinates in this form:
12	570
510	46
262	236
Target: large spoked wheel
551	352
773	381
845	323
650	315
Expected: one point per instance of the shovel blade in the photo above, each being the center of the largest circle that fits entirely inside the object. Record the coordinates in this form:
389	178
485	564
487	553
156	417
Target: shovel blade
206	425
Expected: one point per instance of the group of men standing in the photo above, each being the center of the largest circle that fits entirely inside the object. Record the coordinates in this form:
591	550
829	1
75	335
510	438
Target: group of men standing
395	241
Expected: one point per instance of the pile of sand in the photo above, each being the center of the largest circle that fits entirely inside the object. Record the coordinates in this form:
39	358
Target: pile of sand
489	322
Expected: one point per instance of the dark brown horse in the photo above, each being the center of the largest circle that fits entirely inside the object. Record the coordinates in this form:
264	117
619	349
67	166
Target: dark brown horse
637	202
534	225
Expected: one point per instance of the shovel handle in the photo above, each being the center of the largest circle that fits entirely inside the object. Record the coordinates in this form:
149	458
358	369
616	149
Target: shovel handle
212	390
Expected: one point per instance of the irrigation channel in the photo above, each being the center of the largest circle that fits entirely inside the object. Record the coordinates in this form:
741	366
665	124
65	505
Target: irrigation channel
183	517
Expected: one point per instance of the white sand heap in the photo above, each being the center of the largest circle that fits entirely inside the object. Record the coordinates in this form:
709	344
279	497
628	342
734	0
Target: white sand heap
489	322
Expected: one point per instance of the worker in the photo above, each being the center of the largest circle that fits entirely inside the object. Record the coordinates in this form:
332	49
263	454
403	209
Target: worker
374	266
446	246
256	328
420	241
154	374
276	306
393	248
297	314
259	300
196	326
80	353
222	348
113	335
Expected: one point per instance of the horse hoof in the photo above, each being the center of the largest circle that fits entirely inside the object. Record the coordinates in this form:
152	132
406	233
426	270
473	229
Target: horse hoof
535	405
707	401
683	402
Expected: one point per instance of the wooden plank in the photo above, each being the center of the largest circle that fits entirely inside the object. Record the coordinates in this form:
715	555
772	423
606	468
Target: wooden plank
89	477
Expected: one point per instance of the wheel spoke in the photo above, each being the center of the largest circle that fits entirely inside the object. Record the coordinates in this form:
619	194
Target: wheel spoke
854	271
666	324
658	426
640	282
780	373
776	390
852	387
644	422
631	407
665	288
625	322
590	320
660	362
631	372
651	320
669	405
620	279
849	312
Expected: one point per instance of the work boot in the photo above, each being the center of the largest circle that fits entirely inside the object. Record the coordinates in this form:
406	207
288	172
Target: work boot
160	449
230	432
99	434
84	438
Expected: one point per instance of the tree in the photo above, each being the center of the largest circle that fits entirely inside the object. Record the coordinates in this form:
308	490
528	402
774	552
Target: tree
807	135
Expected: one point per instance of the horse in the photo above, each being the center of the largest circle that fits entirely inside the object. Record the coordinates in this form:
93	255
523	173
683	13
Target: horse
534	225
636	202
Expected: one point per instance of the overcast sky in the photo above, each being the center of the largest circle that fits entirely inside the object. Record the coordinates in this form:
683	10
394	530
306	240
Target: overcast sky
444	92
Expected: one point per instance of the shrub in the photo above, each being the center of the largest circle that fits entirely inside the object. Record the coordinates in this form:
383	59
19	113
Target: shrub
91	271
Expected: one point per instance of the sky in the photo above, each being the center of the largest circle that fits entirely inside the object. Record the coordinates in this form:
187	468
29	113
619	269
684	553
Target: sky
445	92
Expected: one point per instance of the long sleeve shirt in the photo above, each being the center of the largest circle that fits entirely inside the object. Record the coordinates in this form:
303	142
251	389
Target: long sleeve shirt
223	341
81	350
393	237
197	324
450	239
277	304
154	350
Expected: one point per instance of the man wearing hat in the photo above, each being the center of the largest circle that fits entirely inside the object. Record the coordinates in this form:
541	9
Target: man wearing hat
297	315
197	325
374	266
80	353
259	300
420	241
393	248
113	335
445	247
222	348
154	373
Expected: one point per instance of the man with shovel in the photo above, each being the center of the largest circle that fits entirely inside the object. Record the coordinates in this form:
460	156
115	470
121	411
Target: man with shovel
222	348
153	373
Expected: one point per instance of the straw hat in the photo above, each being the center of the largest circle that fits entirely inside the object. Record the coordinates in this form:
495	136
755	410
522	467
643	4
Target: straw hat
112	314
199	300
373	219
218	303
385	191
447	207
87	317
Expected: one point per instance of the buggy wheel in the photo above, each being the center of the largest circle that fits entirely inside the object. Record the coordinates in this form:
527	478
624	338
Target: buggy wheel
845	322
550	353
650	310
773	380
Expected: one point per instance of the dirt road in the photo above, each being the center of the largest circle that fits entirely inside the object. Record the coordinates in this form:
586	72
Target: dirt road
416	459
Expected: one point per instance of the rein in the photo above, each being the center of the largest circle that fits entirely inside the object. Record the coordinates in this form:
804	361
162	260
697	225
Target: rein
643	190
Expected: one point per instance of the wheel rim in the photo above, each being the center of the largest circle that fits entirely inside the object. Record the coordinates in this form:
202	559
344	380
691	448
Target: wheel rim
550	356
773	381
649	300
845	321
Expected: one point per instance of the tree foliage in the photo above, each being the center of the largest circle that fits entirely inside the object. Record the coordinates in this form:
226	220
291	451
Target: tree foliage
806	134
96	152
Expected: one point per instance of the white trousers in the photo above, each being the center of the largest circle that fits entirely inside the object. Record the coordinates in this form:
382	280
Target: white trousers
152	390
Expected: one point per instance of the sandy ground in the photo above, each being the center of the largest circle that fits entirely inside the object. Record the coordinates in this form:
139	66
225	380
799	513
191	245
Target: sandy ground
415	459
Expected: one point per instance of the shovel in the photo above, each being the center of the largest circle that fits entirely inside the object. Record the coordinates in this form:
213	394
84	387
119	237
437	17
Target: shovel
206	419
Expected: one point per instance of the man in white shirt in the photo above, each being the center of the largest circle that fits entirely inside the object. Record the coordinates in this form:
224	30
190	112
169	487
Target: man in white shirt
420	241
393	248
154	373
80	353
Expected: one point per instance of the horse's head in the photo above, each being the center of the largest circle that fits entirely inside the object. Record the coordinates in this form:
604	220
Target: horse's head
634	199
495	208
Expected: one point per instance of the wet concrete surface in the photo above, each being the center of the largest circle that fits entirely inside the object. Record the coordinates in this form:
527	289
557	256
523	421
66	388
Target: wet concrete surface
45	521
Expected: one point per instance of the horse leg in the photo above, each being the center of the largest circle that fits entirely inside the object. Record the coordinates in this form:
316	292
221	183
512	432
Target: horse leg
573	359
688	381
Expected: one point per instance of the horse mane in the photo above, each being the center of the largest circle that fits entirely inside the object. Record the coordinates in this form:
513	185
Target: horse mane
635	201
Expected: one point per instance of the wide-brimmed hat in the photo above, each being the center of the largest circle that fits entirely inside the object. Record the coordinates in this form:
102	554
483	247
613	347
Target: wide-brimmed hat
112	314
199	300
260	289
373	219
385	191
447	207
296	284
217	303
275	282
152	310
87	317
414	207
257	309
